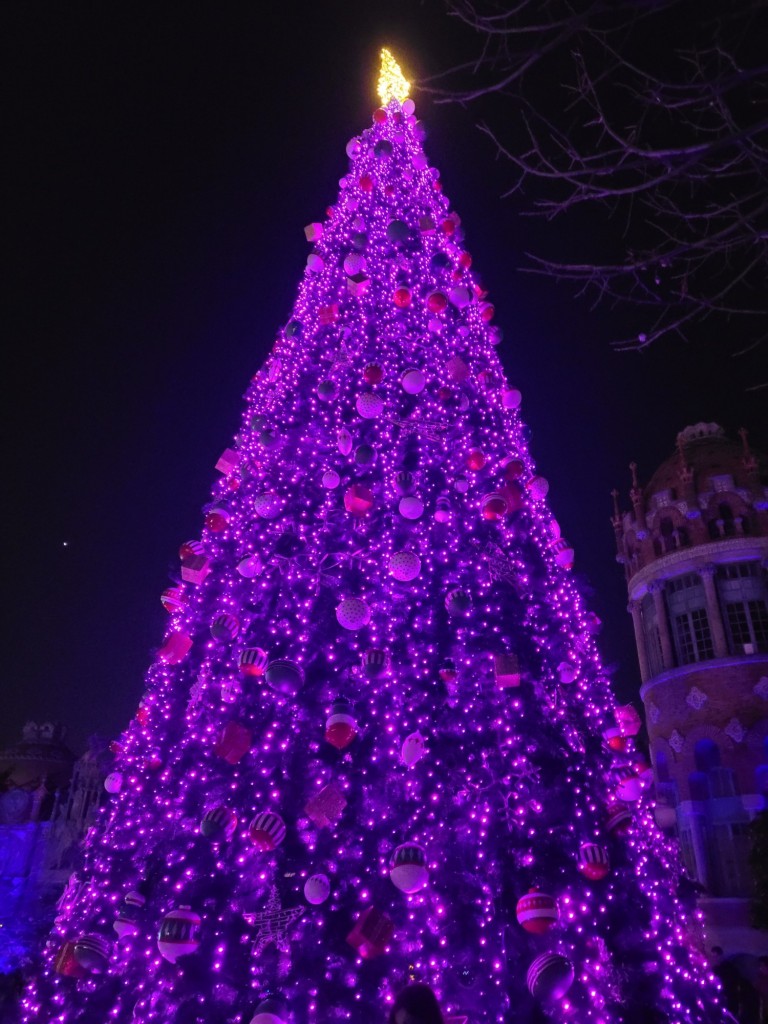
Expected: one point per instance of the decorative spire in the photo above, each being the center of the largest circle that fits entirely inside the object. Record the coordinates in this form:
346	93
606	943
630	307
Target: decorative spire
633	471
616	513
392	82
744	435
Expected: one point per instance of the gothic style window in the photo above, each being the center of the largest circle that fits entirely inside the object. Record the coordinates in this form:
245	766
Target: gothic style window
652	637
743	593
690	625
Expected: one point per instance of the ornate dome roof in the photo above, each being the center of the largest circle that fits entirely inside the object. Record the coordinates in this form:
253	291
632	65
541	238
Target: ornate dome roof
708	452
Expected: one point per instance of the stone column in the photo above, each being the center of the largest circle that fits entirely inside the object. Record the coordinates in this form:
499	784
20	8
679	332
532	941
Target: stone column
667	651
714	615
642	654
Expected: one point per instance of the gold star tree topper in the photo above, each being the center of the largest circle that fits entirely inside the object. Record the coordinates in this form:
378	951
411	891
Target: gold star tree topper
392	81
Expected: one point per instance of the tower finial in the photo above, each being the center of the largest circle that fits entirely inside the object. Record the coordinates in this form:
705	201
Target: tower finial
392	81
615	496
633	470
744	435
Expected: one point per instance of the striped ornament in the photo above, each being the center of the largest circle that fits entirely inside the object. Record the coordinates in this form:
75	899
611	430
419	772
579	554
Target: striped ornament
537	911
128	920
629	789
219	823
549	976
408	868
618	817
191	549
341	727
594	863
284	676
173	599
253	661
92	953
225	627
375	663
267	831
179	933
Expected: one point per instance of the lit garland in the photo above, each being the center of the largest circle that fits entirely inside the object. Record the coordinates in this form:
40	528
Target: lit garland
478	704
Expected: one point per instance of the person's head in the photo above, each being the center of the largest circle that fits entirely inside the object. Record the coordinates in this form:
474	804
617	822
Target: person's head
416	1004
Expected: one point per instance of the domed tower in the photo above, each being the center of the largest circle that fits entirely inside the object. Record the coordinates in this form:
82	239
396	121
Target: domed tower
695	553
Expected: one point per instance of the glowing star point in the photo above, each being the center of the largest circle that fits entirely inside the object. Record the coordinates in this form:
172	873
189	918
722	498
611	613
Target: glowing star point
392	82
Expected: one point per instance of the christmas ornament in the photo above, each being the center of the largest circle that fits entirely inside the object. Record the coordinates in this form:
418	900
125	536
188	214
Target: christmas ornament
404	566
475	460
413	381
250	567
567	672
448	670
402	297
129	916
267	505
549	977
411	507
365	454
253	661
628	720
629	789
369	405
437	302
461	484
113	783
325	808
614	739
493	506
398	232
341	727
358	500
353	613
92	952
442	510
593	861
404	482
267	831
618	817
219	823
511	398
563	553
375	663
270	1011
217	519
175	649
317	889
344	441
284	676
173	599
272	924
537	911
331	479
458	603
179	933
233	742
413	749
537	487
408	868
327	390
506	670
373	374
225	627
371	934
67	964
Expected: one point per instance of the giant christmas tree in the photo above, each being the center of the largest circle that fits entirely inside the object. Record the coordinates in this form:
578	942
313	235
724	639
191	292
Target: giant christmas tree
376	743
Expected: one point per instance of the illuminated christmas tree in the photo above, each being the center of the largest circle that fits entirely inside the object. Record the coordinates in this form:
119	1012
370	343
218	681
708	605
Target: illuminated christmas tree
377	743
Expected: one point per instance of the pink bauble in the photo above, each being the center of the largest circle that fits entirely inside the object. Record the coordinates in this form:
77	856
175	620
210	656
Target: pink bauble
537	911
411	507
413	749
405	566
358	500
413	381
267	831
511	398
353	613
331	479
369	406
317	889
408	868
267	505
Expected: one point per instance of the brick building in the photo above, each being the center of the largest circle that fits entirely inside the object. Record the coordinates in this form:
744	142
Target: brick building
695	553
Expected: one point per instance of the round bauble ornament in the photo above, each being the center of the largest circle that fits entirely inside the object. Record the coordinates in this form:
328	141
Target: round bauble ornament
353	613
398	232
419	161
92	953
413	381
593	861
382	149
618	817
563	552
614	739
475	460
179	933
359	240
440	261
317	889
358	500
408	107
353	148
369	405
487	311
267	831
437	302
442	510
331	479
444	395
374	663
284	676
217	519
191	549
567	672
258	421
458	603
511	398
365	454
341	727
549	977
315	263
629	789
405	566
461	484
344	441
219	823
271	1010
113	782
413	749
512	468
487	380
293	329
402	297
327	390
408	868
129	916
268	438
250	566
267	505
173	599
460	296
465	260
457	370
537	911
628	719
404	482
411	507
373	374
366	183
355	263
380	115
225	627
643	770
448	670
537	487
493	506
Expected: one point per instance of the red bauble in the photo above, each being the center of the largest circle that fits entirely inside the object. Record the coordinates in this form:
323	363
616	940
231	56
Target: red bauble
217	519
191	549
448	226
537	911
366	183
437	302
267	831
513	469
465	261
593	862
358	500
514	495
487	311
476	459
341	727
173	599
494	506
444	394
402	297
373	374
380	116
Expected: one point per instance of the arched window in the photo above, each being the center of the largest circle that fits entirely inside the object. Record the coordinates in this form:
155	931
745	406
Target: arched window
706	755
698	784
652	636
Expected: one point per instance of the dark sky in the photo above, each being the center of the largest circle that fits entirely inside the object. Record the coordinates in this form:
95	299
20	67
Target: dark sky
163	160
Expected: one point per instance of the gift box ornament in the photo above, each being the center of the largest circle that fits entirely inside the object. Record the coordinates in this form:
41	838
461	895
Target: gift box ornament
372	933
195	568
233	743
229	461
506	670
326	807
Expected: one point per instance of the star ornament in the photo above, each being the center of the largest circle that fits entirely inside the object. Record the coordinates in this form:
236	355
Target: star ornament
272	924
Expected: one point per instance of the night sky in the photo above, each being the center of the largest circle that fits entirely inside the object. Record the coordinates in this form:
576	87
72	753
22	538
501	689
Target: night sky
163	161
